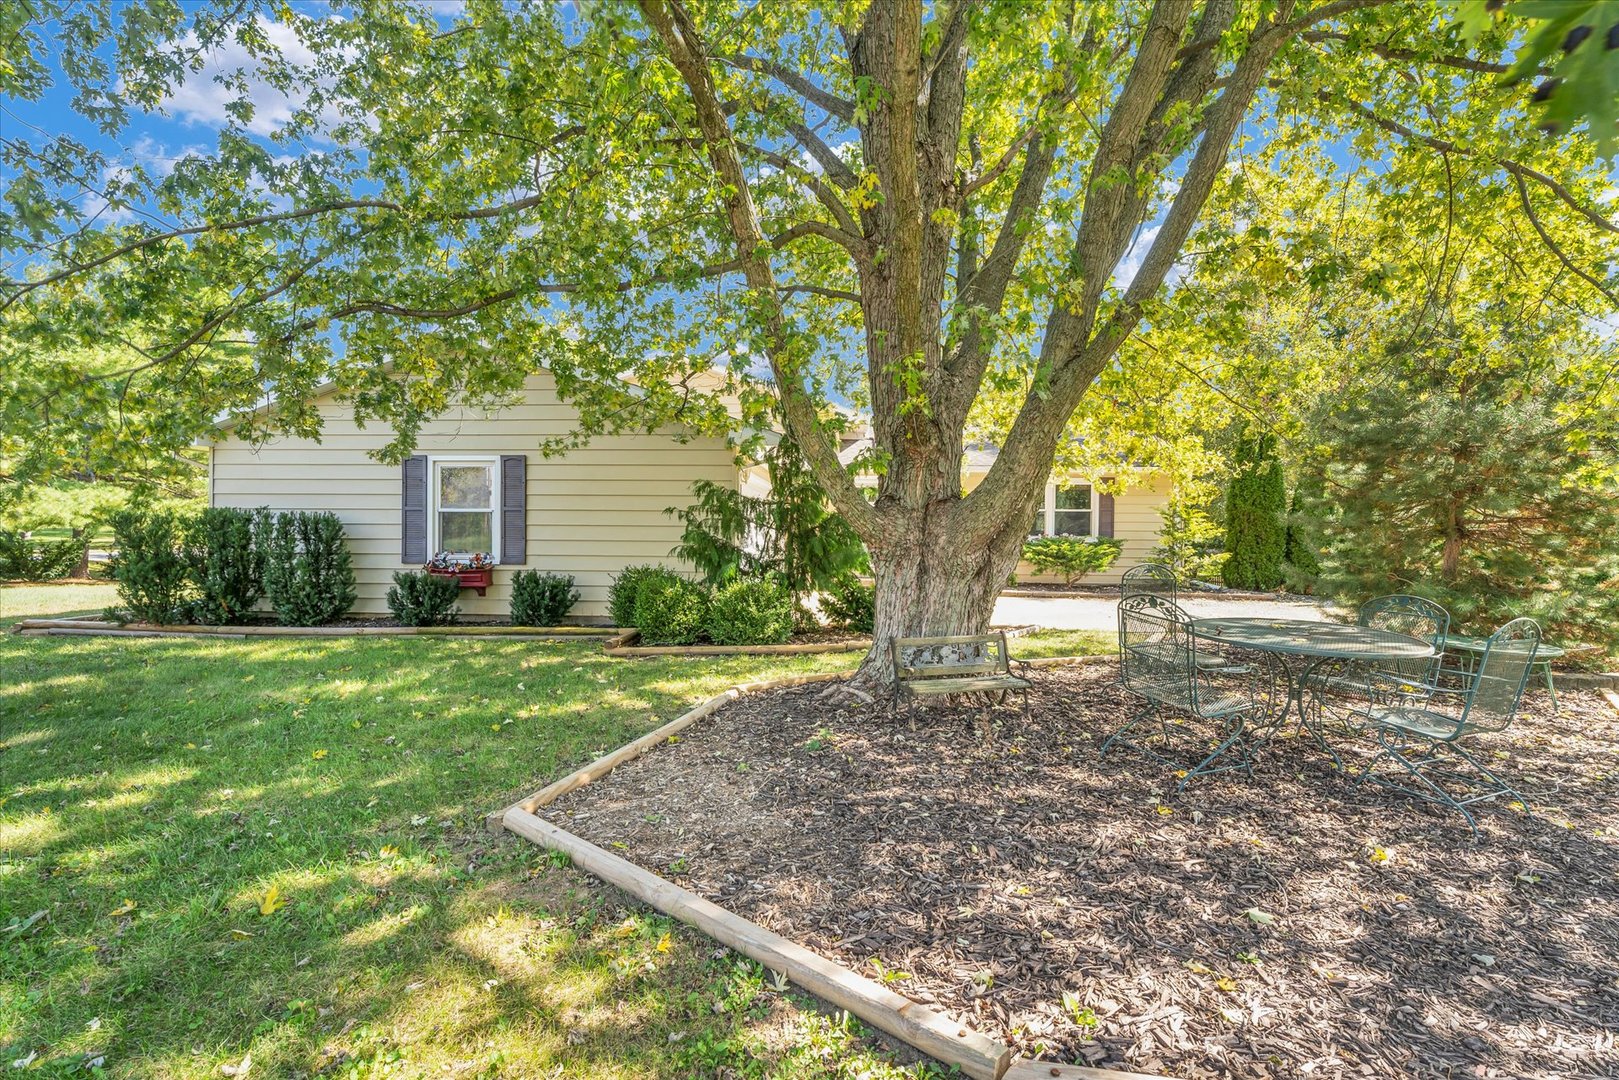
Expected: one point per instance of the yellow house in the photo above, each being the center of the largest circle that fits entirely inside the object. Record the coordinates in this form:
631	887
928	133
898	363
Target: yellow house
477	482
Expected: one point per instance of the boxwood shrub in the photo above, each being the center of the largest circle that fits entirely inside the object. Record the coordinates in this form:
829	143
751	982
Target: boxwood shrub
224	548
621	594
149	567
38	560
669	610
751	612
541	599
422	599
308	574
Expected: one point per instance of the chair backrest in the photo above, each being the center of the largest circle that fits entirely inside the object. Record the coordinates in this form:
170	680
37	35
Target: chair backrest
1413	616
1503	671
949	656
1155	646
1152	579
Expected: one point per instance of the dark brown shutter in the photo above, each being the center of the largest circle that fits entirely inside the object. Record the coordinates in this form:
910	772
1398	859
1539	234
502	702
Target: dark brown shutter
413	511
1104	512
514	508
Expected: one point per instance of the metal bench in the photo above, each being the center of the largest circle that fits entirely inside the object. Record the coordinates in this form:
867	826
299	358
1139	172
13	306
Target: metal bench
930	667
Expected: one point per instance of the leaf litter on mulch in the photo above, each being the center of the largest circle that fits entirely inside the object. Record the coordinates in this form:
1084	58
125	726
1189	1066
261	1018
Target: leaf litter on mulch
1291	924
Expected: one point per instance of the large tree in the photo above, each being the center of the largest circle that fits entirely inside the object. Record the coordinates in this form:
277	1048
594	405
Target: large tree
897	203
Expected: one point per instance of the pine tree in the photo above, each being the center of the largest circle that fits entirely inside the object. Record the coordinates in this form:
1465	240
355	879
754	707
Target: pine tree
1255	535
1479	489
1300	564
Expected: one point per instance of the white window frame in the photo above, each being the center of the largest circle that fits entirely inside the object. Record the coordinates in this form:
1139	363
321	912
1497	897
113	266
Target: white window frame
433	463
1048	525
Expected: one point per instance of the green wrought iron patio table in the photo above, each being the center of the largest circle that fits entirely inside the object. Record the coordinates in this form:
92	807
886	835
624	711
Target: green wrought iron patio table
1296	647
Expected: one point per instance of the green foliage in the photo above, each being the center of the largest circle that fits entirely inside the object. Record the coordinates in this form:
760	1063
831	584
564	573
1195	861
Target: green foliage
308	573
39	560
225	549
150	567
1188	541
1071	557
791	533
1475	483
541	599
669	610
1255	536
418	598
850	604
1301	561
750	612
621	594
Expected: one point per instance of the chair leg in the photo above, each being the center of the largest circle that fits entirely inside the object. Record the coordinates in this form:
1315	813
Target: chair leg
1430	790
1550	689
1128	724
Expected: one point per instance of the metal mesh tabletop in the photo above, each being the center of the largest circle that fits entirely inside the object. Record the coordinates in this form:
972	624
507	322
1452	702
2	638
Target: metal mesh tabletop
1300	637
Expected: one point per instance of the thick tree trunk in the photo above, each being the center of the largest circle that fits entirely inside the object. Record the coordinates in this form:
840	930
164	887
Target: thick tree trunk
930	582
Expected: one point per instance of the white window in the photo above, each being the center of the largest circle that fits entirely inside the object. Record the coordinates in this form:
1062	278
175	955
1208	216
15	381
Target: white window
465	493
1066	511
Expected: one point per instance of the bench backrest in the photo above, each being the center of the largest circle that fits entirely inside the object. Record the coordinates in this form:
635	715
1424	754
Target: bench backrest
949	656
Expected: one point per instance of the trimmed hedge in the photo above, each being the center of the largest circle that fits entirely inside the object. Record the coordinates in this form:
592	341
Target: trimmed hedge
418	598
224	549
541	599
621	594
669	610
308	574
756	612
150	568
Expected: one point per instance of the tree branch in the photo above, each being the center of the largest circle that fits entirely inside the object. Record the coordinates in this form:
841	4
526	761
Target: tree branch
684	45
794	81
1545	238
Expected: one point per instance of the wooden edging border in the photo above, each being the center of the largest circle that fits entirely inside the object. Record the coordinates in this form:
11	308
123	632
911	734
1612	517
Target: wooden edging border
621	645
104	628
973	1053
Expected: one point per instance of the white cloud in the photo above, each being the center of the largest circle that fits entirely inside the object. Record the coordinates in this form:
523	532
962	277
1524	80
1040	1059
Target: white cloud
201	97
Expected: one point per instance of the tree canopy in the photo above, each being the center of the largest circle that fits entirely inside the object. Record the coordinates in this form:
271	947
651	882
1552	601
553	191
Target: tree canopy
969	218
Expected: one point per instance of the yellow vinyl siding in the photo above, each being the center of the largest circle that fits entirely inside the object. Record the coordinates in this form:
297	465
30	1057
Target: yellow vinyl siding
591	512
1137	519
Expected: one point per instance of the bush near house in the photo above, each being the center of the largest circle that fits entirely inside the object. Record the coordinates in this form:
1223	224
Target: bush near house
756	612
621	594
153	576
850	604
541	599
669	610
308	574
1256	535
1072	557
418	598
224	550
22	559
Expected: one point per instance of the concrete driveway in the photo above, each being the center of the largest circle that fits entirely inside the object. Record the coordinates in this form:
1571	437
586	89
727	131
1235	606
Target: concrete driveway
1100	612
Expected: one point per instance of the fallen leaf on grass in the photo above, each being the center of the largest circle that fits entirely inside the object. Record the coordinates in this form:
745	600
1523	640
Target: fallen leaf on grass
318	755
663	943
388	851
273	901
240	1069
123	909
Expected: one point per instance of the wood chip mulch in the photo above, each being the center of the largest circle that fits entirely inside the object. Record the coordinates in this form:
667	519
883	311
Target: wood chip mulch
1288	925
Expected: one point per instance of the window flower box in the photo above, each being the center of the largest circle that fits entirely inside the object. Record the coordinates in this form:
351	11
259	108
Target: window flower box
475	571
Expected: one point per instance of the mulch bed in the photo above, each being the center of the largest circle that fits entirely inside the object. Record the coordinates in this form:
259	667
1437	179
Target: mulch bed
1082	911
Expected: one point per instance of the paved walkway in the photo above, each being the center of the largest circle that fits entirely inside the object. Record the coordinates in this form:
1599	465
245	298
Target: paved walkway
1100	613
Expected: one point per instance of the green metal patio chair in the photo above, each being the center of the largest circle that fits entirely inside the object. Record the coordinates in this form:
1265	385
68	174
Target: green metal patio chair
1156	579
1425	743
1341	692
1158	664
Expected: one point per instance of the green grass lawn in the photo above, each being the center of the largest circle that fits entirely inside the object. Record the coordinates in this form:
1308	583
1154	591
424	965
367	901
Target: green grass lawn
275	848
40	601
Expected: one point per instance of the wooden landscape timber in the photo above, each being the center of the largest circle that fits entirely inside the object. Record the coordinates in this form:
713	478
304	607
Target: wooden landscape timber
956	1045
103	627
623	645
